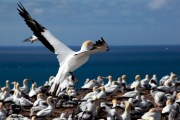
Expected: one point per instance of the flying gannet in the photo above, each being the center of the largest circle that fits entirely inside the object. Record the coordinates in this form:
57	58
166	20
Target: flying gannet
69	60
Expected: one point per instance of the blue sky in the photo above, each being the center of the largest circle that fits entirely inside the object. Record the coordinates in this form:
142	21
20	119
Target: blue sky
119	22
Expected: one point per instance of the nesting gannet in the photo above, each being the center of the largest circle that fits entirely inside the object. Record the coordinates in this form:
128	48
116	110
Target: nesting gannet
172	79
23	101
7	87
126	114
24	88
154	113
110	80
102	93
40	100
31	39
153	81
175	111
93	93
39	104
33	92
15	107
71	93
69	60
70	81
112	113
133	101
61	117
90	108
17	117
167	109
5	93
112	89
159	98
132	94
144	104
136	82
47	111
145	82
119	80
124	79
163	79
19	94
166	87
14	87
90	84
100	80
114	103
3	112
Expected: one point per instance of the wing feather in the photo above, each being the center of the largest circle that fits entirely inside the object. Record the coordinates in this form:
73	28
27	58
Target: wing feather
44	35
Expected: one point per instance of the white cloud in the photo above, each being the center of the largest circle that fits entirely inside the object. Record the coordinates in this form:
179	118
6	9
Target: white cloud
157	4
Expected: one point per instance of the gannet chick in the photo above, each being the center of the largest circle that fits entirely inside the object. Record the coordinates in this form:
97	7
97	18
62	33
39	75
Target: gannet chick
126	114
109	82
31	39
136	82
154	113
47	111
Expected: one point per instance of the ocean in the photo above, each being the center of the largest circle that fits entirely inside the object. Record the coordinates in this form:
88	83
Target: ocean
38	63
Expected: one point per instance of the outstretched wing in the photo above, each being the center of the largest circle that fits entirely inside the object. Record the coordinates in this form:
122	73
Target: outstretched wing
44	35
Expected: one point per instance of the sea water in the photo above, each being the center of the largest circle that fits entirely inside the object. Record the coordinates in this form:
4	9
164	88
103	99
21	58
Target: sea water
38	63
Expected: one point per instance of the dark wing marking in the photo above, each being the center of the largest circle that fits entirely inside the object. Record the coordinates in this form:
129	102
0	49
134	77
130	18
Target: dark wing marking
34	26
